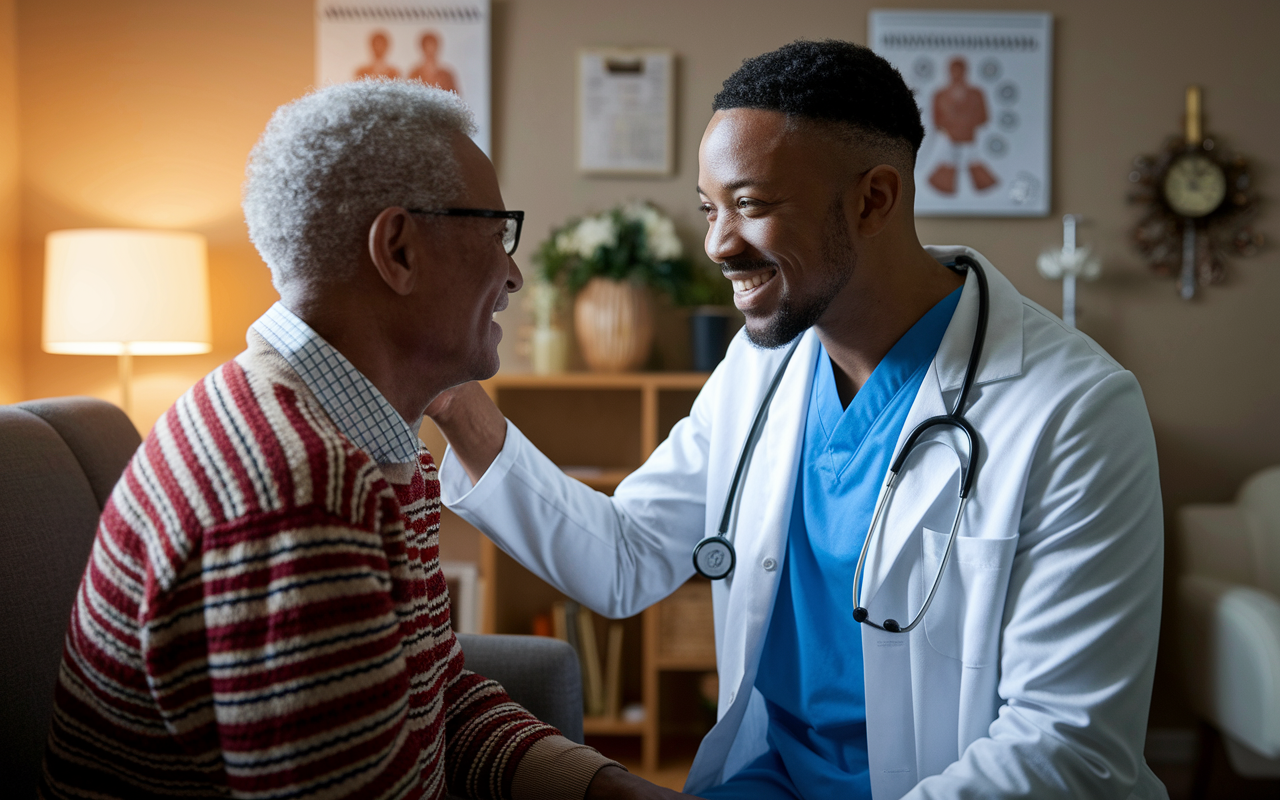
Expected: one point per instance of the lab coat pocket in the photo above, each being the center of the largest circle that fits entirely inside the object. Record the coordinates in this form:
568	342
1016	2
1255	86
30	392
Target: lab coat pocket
964	620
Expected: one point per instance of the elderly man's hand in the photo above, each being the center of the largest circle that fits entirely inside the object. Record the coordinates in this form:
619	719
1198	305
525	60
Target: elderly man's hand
615	783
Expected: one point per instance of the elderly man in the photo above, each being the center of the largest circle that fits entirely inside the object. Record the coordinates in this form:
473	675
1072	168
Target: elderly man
984	627
263	614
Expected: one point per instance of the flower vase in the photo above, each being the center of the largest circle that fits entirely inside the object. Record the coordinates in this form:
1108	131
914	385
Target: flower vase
614	324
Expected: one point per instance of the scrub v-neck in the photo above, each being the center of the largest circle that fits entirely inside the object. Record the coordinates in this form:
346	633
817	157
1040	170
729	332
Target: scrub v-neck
811	669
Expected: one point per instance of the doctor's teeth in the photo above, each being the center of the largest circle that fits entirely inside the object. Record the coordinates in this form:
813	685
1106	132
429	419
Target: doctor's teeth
750	283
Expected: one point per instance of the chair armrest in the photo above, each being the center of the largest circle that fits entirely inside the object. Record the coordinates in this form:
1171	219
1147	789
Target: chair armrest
1216	543
539	673
1230	641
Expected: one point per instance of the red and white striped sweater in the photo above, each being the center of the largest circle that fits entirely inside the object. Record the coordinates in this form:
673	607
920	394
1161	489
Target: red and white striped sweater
264	615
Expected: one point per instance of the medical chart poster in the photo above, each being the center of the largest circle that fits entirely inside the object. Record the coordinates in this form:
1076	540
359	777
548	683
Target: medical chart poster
443	43
982	81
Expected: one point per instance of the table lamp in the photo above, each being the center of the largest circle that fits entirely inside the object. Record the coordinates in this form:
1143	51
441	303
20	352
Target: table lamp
120	292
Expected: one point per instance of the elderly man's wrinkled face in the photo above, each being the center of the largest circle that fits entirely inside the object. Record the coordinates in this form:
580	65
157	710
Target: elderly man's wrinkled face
775	220
471	273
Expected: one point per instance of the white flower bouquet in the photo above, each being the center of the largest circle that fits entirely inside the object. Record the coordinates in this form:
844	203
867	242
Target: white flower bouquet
634	242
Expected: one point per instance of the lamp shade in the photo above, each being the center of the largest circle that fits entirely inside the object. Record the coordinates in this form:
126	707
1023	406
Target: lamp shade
115	292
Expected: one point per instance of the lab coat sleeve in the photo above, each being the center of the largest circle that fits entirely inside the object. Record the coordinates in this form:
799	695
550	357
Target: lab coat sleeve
1082	614
617	555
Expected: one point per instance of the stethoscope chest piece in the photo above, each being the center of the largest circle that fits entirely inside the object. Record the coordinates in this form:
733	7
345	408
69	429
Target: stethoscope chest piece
713	557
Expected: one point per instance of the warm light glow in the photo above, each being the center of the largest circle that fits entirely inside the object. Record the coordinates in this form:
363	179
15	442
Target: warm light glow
115	291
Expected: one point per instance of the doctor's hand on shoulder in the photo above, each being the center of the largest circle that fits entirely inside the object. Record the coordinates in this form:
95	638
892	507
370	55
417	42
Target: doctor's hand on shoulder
472	424
615	783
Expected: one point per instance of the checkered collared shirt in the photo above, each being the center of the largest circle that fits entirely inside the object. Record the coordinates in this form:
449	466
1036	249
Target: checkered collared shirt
353	403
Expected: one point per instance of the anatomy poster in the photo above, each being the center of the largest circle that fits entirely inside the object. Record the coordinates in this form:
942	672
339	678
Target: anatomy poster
982	81
443	43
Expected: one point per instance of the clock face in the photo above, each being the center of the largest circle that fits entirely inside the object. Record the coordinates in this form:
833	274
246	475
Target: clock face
1194	185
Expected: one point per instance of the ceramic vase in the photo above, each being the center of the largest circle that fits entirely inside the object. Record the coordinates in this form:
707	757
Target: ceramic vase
614	324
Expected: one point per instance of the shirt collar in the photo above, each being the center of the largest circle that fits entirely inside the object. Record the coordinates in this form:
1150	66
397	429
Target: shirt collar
351	400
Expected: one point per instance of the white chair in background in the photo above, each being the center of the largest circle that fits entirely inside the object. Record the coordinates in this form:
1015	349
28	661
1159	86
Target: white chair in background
1229	623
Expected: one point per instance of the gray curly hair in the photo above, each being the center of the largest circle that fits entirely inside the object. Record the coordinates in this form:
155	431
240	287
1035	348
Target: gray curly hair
329	162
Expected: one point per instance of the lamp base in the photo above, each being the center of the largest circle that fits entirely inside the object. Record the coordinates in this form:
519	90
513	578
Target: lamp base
126	381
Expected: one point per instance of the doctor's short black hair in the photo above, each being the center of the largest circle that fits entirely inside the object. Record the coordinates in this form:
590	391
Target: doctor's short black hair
835	82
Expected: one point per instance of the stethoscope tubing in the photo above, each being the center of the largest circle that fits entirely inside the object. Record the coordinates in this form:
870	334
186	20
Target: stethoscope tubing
714	557
749	445
954	419
968	471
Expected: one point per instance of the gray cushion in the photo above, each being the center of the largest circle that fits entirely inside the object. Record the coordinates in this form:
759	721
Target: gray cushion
49	511
100	436
540	674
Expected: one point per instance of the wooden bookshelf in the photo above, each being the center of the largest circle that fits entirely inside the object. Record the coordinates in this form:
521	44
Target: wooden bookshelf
600	427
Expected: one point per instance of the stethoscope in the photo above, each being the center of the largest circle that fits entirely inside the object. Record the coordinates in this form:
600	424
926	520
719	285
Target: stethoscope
714	557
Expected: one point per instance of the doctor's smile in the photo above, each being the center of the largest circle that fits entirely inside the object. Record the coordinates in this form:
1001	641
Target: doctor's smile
744	286
750	281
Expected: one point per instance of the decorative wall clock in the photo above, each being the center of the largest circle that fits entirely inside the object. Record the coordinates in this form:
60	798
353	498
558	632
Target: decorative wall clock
1198	205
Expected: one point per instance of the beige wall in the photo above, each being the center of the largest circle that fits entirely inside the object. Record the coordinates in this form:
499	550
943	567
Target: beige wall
10	329
141	113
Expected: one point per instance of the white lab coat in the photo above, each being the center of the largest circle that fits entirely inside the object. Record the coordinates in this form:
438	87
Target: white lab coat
1031	673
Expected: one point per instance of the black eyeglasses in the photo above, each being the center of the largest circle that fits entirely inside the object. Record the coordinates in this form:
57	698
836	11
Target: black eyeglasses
510	233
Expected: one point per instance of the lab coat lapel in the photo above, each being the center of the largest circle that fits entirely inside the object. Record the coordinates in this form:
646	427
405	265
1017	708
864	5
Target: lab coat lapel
1002	353
930	471
762	523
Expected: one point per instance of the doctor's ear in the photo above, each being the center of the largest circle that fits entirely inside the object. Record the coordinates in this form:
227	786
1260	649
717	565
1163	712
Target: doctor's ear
391	237
879	195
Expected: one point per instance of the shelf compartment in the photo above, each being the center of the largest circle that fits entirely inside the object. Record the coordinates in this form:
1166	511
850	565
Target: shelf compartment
607	425
686	635
596	426
611	726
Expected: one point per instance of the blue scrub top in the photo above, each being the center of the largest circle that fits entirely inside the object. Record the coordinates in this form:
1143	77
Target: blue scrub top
811	670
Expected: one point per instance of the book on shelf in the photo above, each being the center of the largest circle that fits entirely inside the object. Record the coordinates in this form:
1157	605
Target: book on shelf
560	624
567	625
589	653
601	683
613	672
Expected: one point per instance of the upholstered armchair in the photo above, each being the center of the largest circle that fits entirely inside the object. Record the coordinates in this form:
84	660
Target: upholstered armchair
1229	622
59	460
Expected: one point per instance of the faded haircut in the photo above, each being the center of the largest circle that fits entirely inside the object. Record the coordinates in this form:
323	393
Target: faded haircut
329	162
857	94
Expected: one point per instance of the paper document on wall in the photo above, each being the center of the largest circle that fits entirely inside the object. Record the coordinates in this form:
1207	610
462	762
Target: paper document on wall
625	111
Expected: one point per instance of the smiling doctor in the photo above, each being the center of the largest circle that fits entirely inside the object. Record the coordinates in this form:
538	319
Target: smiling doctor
1001	639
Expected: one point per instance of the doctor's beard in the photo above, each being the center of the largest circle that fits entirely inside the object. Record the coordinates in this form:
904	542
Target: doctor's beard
797	315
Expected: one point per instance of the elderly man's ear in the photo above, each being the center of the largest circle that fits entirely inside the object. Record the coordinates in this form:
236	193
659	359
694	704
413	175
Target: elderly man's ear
391	237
